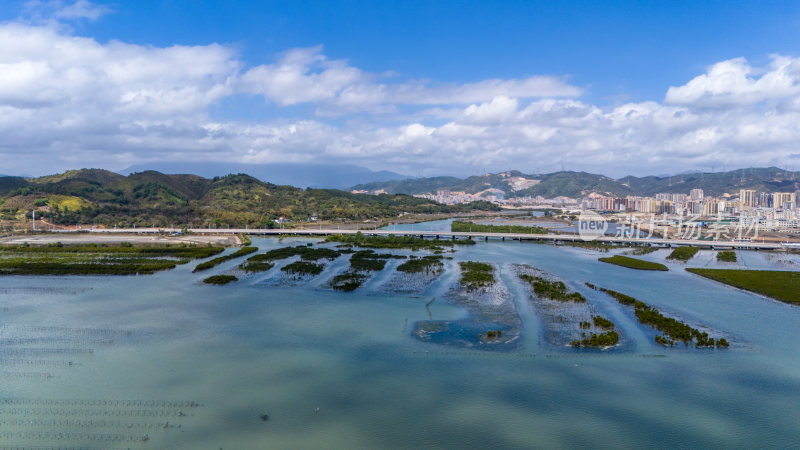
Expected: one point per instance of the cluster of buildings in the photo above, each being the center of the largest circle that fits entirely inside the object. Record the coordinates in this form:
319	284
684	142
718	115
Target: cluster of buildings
764	210
695	203
454	197
769	210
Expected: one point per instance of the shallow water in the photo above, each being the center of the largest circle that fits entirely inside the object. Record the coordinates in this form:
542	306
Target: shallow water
127	356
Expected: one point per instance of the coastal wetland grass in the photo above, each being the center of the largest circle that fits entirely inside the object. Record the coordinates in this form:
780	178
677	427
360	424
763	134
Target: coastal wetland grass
726	256
97	259
780	285
633	263
683	254
673	329
220	279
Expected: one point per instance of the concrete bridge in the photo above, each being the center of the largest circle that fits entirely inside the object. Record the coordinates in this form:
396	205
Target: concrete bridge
552	238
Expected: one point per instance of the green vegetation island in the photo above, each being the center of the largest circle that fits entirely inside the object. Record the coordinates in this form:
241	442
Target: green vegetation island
607	339
593	245
780	285
683	254
476	275
221	259
642	250
553	290
726	256
428	264
673	330
305	252
633	263
302	268
462	226
220	279
97	259
361	264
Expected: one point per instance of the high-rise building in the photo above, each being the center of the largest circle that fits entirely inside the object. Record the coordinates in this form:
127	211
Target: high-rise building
696	195
710	207
747	198
781	199
765	200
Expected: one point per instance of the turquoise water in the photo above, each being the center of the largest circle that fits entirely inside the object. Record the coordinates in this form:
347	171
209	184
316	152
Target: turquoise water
164	361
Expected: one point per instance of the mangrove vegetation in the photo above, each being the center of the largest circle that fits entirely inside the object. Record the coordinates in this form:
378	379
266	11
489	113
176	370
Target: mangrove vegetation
673	329
348	281
256	266
462	226
633	263
302	268
428	264
607	339
553	290
221	259
305	252
220	279
602	322
476	275
362	263
643	250
683	253
395	242
780	285
120	259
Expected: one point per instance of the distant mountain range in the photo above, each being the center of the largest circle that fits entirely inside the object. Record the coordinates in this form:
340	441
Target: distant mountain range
329	176
578	184
99	196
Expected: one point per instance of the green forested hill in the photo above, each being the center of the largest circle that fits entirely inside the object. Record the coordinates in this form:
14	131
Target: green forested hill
575	184
768	179
578	184
103	197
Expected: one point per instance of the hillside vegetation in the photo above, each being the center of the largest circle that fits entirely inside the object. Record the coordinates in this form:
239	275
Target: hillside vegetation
577	184
94	196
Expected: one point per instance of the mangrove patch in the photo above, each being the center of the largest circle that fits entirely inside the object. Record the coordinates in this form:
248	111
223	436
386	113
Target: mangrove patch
672	329
633	263
778	284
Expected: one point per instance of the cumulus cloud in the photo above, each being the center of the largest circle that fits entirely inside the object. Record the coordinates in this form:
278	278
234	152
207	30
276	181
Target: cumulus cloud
734	82
69	101
306	75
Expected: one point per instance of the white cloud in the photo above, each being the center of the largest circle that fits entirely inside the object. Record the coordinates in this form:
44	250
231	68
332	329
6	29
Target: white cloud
81	9
500	109
307	76
734	82
68	101
53	10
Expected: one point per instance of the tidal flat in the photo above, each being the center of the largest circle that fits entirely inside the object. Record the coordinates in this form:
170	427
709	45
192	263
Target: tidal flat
167	361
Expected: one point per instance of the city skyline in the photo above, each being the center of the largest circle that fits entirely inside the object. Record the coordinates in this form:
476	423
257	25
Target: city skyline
102	84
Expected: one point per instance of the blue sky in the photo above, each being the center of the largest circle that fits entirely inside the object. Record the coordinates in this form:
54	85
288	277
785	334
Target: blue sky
404	85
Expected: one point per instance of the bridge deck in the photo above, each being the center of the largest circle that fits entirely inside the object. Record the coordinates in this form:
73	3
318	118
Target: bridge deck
457	234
